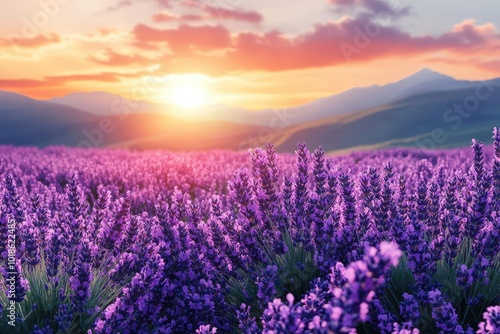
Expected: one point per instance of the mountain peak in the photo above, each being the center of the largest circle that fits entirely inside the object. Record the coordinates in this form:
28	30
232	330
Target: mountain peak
426	74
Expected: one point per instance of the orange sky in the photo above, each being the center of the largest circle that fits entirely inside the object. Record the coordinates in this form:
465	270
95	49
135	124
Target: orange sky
249	54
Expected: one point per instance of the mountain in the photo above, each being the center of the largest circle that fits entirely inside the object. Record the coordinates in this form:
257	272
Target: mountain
24	121
404	113
104	104
350	101
28	122
358	99
424	120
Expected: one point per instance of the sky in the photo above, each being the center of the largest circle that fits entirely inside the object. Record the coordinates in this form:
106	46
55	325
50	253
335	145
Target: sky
252	54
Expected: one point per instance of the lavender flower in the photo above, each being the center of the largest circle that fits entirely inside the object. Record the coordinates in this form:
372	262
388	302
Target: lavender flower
464	277
64	317
266	287
32	244
82	277
491	325
444	314
206	329
246	323
167	242
495	171
409	309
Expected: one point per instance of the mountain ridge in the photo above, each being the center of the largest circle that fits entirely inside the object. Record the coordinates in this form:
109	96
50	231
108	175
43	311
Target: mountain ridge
351	100
386	115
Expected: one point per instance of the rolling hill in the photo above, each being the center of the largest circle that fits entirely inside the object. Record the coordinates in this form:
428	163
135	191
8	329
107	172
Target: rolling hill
353	100
29	122
406	113
409	122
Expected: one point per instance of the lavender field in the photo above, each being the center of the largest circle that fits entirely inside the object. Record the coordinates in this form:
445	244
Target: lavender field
115	241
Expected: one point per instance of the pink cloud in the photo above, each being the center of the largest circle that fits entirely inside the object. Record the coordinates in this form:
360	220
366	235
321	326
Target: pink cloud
121	4
57	81
334	43
34	42
116	59
165	17
168	17
373	6
326	44
232	14
209	13
185	37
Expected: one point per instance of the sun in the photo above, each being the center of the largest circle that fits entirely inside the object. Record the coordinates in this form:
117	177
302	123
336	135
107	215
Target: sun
189	95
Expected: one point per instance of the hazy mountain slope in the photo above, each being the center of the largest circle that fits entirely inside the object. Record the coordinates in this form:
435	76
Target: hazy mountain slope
358	118
24	121
105	104
353	100
404	123
358	99
28	122
159	131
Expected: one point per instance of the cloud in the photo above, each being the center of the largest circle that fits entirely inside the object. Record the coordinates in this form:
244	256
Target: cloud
116	59
120	5
327	44
164	3
372	6
129	3
232	14
103	77
208	12
490	65
337	42
57	81
23	83
186	38
34	42
166	16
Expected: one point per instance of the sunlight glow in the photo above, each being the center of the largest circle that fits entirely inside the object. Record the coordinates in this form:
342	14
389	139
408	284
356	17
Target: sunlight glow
188	95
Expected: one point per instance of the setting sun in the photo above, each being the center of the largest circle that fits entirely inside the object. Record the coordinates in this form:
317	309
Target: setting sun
189	95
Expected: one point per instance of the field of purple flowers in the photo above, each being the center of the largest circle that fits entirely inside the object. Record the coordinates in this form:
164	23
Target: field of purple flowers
110	241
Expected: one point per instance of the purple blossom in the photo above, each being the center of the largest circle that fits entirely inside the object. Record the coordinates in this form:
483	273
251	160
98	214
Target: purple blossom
491	325
206	329
175	233
266	286
464	277
246	323
81	279
444	314
409	310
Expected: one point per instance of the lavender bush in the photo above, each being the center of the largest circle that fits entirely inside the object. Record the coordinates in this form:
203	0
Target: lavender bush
110	241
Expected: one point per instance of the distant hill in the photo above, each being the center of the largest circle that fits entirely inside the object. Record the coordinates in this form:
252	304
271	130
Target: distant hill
24	121
405	113
353	100
408	122
358	99
104	104
28	122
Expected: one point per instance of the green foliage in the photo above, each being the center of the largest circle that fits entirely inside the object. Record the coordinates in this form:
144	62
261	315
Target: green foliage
46	296
296	270
486	293
401	280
